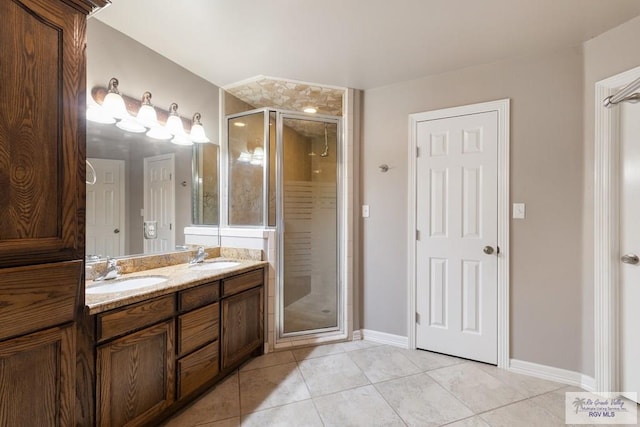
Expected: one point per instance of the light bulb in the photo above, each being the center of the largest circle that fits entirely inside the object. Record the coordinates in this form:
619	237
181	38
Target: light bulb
147	114
197	131
113	104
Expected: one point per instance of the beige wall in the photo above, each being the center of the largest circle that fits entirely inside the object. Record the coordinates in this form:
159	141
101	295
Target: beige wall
138	68
546	174
607	55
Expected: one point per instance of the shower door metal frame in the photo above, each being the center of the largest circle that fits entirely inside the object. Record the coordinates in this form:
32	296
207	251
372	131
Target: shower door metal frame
340	288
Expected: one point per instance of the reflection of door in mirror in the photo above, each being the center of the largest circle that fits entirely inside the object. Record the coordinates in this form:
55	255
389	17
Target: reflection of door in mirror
159	202
106	208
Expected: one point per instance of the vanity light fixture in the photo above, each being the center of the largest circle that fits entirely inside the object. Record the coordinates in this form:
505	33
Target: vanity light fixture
96	113
160	133
257	157
131	125
113	103
197	131
174	127
174	123
113	109
239	124
310	110
245	157
147	115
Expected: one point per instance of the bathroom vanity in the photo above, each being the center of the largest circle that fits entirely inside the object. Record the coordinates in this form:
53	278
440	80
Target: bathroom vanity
159	347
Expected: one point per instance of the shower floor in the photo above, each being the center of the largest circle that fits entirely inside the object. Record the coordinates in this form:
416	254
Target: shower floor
313	311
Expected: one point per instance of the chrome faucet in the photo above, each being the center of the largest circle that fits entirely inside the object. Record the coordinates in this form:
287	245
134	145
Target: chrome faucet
111	272
200	256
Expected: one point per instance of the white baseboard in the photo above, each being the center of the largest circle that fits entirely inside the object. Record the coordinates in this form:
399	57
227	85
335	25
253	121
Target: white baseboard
552	374
384	338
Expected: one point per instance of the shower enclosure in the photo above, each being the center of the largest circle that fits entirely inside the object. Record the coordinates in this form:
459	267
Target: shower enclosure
283	172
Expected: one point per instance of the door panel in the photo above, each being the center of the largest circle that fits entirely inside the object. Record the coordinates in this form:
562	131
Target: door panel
457	204
309	225
105	209
629	245
159	202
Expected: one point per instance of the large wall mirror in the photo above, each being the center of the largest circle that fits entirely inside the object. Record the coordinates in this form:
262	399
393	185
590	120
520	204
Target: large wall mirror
142	192
129	211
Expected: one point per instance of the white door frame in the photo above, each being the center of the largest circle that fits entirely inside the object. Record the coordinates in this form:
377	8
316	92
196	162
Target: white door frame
606	242
502	108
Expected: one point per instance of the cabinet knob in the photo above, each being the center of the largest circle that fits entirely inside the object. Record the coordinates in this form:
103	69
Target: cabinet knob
116	231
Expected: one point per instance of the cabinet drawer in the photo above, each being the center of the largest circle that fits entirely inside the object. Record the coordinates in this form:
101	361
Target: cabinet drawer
199	296
242	282
38	296
197	369
198	327
135	316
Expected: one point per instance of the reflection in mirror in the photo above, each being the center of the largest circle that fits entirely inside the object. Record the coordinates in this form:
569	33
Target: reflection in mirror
143	190
246	134
205	198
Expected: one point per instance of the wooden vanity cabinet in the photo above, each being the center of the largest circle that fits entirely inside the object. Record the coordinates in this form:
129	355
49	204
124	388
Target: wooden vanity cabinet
198	332
155	356
135	380
242	317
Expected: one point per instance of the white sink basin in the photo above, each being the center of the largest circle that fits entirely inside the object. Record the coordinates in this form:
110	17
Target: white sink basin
215	265
122	285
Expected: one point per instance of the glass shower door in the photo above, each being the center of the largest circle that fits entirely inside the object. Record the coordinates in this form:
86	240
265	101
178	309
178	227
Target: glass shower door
308	225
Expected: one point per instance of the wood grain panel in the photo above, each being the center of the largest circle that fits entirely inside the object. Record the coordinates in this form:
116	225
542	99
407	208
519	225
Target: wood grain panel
42	65
242	282
136	377
135	316
242	326
37	379
199	296
197	369
198	327
38	296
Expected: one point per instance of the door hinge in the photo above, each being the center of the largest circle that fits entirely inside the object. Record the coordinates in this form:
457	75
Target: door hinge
417	234
170	176
417	318
170	226
417	151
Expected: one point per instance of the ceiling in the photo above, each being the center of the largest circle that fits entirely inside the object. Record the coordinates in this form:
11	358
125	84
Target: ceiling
356	43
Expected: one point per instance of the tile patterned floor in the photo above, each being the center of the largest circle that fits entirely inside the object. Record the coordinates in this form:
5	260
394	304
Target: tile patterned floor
365	384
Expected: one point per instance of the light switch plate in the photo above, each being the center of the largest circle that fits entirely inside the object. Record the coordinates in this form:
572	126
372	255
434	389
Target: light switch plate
365	211
518	211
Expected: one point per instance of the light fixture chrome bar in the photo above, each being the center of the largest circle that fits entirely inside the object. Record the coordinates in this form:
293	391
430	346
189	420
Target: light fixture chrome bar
624	94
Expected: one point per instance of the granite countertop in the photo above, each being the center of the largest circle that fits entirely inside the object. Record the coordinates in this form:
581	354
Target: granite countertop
180	276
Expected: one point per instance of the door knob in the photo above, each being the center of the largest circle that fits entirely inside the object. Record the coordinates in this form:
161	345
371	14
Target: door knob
630	259
487	250
116	231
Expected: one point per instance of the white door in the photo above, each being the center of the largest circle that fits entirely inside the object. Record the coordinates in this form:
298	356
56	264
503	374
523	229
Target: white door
159	205
457	218
629	248
105	209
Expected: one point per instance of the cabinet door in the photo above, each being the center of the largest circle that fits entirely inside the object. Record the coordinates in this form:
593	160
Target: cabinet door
41	132
242	326
136	377
37	383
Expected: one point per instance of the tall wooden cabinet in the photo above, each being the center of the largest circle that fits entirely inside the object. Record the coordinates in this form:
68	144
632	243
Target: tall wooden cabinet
42	150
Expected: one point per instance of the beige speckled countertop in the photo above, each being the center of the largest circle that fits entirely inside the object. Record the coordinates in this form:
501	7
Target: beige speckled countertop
180	276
